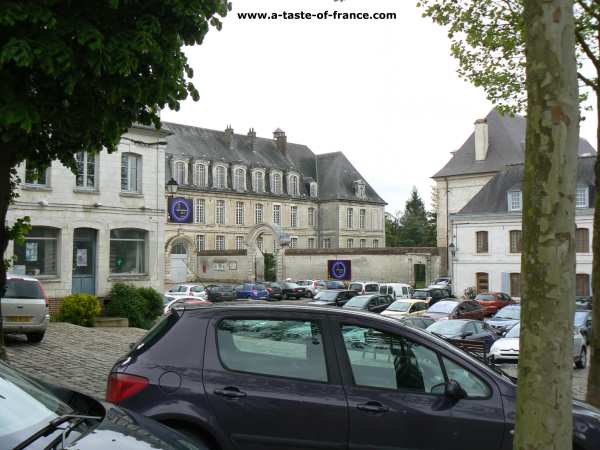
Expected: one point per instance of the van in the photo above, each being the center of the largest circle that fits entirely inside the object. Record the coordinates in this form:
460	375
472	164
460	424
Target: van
396	290
364	287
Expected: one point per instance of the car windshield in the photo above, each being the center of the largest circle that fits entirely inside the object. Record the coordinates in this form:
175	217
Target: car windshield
514	331
335	285
485	297
303	283
508	313
23	289
26	407
326	296
422	295
371	288
358	302
446	327
441	281
580	318
260	287
442	307
291	285
399	306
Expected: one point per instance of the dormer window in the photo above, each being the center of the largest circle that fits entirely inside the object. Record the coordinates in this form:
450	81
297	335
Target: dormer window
180	172
582	197
294	185
220	177
313	189
515	200
360	189
239	179
200	174
258	181
276	183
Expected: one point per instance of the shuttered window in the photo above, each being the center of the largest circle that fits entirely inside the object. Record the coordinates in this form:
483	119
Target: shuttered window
582	240
482	241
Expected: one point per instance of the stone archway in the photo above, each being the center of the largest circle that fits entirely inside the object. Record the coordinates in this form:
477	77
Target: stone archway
180	259
282	241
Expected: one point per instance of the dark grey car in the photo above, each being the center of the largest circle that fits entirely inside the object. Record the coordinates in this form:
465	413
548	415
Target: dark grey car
322	378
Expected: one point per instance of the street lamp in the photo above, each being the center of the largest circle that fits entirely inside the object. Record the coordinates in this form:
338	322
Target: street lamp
452	249
172	186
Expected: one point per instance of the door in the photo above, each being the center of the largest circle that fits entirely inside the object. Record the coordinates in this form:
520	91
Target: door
178	263
395	387
270	384
84	261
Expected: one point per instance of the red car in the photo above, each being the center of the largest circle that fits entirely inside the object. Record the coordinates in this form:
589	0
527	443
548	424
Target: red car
491	302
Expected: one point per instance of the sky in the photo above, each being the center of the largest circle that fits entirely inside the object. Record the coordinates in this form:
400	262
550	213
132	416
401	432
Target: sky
385	92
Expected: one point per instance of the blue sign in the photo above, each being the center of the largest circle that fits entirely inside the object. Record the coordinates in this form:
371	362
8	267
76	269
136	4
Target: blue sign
181	210
339	269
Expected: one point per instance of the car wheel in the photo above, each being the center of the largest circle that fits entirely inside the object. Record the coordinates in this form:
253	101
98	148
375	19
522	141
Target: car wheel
35	337
284	296
581	361
309	294
194	437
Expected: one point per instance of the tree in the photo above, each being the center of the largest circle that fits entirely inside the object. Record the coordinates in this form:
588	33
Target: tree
415	227
75	75
488	41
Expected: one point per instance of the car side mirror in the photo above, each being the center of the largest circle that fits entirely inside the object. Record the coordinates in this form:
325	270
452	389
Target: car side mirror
467	334
454	390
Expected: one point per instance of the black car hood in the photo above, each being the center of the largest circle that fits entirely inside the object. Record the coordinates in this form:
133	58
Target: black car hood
126	430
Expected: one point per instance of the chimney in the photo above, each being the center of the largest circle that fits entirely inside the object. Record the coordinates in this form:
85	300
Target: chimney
252	136
481	139
229	137
280	140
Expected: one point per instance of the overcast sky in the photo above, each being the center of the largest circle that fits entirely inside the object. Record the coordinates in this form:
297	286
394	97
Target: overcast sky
386	93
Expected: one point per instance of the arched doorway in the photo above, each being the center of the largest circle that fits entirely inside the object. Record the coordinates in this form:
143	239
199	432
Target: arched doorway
178	261
256	260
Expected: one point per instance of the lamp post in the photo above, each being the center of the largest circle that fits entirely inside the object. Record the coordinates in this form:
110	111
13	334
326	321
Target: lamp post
451	254
172	187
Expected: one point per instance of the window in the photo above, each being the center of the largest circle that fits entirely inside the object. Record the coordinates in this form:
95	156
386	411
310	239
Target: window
200	242
375	243
220	212
311	217
239	213
258	213
327	243
200	216
582	285
473	386
220	180
581	197
277	214
284	348
33	178
86	170
220	242
482	241
276	185
259	181
239	179
239	242
179	172
131	172
515	284
515	202
219	267
582	240
294	188
200	178
127	251
294	217
482	282
350	243
515	241
294	242
362	219
363	243
39	253
384	360
349	218
313	189
311	242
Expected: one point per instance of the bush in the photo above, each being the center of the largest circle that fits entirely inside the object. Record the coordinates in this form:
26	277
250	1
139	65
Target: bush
154	304
140	305
80	309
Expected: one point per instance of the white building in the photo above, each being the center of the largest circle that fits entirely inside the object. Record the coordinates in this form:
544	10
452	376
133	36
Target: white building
104	225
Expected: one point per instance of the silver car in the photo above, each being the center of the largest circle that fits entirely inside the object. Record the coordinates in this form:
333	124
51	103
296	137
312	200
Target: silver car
25	308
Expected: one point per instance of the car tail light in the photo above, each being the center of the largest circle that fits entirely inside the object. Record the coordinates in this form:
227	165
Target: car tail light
121	386
43	293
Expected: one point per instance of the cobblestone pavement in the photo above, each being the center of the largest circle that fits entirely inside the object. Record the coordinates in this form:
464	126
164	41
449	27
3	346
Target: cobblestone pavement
76	357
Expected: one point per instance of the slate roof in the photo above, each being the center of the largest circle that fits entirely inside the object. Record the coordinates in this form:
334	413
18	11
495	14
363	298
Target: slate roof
506	138
493	198
332	171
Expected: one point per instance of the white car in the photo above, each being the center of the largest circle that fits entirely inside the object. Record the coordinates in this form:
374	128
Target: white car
186	290
312	287
25	308
396	290
507	348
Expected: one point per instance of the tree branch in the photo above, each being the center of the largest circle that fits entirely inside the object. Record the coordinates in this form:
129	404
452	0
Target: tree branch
588	9
588	81
587	50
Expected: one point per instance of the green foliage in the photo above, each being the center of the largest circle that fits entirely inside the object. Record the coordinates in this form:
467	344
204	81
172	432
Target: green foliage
140	305
153	303
80	309
414	228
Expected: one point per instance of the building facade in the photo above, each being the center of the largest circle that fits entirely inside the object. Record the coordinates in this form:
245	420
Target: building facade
244	194
100	226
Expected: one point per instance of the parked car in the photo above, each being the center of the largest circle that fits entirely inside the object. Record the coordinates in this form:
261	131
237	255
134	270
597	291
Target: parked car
583	302
187	290
416	322
396	290
432	295
334	284
292	290
583	324
341	379
220	293
333	298
402	308
39	415
275	290
311	287
364	287
254	291
442	283
505	319
373	303
506	349
185	301
25	308
473	330
491	302
455	309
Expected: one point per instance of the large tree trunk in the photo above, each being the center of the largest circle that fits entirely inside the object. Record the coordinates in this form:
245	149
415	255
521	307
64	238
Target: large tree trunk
5	197
544	398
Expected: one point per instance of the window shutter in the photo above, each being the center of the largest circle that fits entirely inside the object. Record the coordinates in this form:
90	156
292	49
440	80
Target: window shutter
505	282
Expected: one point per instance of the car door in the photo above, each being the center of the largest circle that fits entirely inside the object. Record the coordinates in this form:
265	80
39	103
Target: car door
377	304
277	389
394	382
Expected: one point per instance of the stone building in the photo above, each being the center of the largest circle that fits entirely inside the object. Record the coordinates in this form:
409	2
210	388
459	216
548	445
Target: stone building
103	225
240	197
